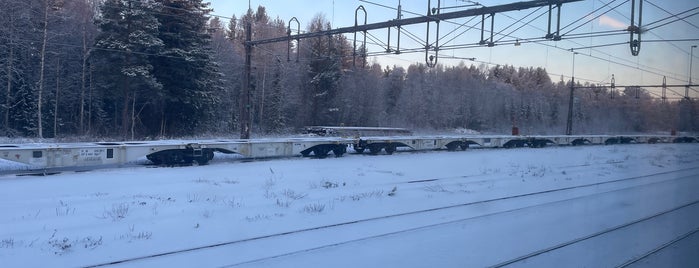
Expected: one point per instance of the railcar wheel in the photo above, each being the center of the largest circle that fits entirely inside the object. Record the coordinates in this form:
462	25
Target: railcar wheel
390	149
173	157
320	152
375	149
452	147
155	159
537	144
339	150
205	158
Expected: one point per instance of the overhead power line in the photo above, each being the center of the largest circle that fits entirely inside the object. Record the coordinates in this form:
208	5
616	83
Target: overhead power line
593	18
416	20
668	12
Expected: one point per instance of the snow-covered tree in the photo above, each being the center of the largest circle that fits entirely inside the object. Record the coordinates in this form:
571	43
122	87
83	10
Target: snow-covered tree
227	55
164	67
185	68
125	46
325	60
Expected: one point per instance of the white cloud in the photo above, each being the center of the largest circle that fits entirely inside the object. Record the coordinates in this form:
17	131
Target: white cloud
608	21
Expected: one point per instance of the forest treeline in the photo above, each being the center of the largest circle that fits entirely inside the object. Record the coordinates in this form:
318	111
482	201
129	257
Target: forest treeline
165	68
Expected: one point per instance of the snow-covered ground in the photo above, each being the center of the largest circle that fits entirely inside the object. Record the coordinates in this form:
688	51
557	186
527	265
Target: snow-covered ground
590	206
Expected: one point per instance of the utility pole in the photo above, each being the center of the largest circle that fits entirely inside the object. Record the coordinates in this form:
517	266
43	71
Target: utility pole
569	122
245	93
691	55
664	96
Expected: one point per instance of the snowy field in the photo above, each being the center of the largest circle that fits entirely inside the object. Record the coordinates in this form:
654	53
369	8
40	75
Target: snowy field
590	206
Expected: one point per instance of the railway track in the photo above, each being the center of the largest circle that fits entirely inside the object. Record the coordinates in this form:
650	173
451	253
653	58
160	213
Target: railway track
658	249
605	232
524	200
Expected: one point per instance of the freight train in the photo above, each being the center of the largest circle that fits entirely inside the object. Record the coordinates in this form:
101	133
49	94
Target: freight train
335	140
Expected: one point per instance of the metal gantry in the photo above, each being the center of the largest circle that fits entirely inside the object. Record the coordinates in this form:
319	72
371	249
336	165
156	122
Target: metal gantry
433	16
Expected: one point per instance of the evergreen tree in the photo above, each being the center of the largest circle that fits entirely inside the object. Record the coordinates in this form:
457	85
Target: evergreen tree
325	64
190	79
232	29
129	35
396	83
230	61
17	59
276	117
152	70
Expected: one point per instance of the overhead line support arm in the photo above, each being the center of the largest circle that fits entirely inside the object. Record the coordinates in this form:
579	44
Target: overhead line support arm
418	20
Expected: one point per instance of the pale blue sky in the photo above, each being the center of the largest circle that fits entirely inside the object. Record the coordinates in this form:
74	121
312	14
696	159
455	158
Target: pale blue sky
656	59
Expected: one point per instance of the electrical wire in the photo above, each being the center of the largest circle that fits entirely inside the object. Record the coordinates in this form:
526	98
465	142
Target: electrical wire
611	56
460	34
670	22
593	18
672	16
653	33
520	20
585	36
412	36
522	26
503	36
668	12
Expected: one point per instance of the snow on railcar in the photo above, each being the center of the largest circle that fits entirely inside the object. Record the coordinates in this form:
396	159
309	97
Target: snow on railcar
341	131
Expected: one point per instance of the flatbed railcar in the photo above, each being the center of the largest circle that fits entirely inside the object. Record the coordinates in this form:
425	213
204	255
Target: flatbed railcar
178	152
